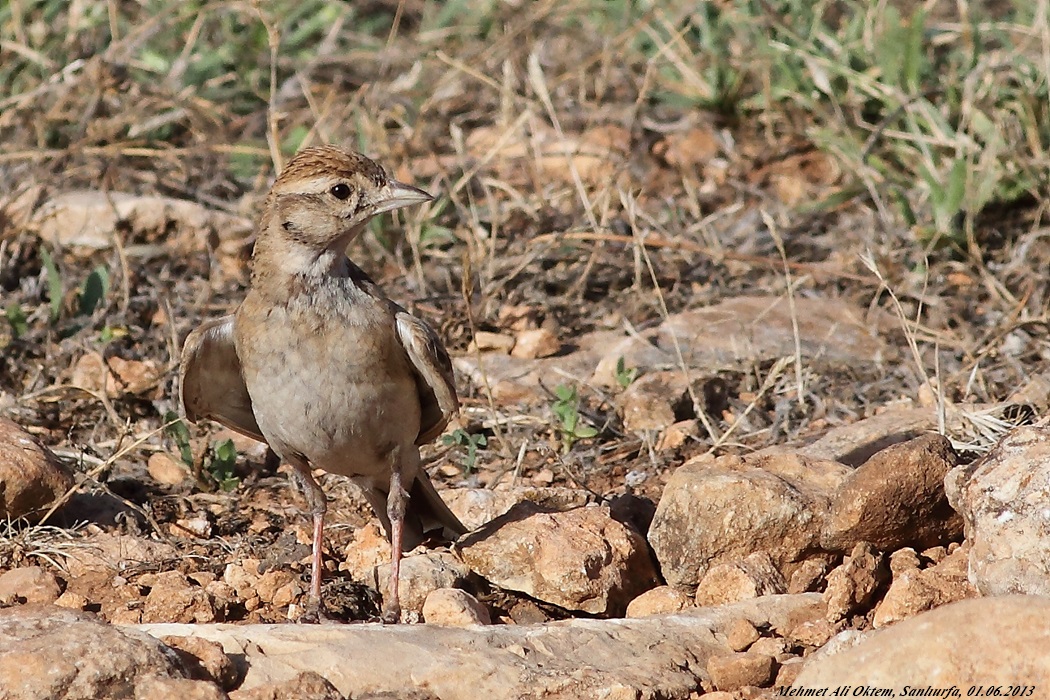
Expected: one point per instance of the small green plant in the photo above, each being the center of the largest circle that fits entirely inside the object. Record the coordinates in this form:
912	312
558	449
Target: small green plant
90	295
94	290
54	284
566	409
464	439
625	376
221	466
217	468
17	318
180	434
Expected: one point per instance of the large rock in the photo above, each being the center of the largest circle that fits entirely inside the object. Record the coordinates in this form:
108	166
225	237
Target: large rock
664	656
734	333
1003	499
30	475
29	584
475	507
742	330
720	510
896	499
985	641
90	219
580	559
48	652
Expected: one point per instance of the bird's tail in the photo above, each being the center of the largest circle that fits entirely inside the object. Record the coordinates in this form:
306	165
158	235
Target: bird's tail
426	515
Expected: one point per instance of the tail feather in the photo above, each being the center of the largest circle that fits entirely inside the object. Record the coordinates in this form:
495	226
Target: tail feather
426	516
432	514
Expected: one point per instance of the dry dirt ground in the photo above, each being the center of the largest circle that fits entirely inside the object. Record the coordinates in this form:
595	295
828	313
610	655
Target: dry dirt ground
596	169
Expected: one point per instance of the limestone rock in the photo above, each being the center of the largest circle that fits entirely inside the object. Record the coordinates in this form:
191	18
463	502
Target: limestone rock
915	590
421	575
734	671
740	634
811	574
89	219
367	549
535	342
852	586
205	660
720	510
153	687
173	598
30	476
753	576
581	659
308	685
475	507
984	641
167	469
110	552
896	499
855	443
743	329
116	376
29	584
49	652
1002	498
658	601
579	559
451	606
652	401
487	341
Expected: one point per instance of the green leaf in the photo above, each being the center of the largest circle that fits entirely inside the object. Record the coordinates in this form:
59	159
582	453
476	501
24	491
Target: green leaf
624	376
586	431
94	290
565	393
912	65
226	452
294	139
956	188
178	432
17	318
888	52
54	284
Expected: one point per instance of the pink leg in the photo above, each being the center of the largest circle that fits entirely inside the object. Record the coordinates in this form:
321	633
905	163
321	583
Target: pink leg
315	498
315	567
395	509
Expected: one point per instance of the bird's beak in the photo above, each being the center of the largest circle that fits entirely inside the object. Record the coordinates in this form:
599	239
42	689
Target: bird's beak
395	195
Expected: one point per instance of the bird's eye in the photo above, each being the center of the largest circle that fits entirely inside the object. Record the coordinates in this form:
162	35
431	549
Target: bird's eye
340	191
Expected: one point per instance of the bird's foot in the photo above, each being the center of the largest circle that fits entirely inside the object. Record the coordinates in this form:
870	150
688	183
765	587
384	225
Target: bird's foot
314	614
391	614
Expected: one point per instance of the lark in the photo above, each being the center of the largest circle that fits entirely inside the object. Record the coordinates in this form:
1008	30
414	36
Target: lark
318	363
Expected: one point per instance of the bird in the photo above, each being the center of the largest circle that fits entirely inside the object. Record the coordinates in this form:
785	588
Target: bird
318	363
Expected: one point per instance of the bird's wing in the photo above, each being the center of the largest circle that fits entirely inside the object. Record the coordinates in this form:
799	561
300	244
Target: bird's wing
434	379
210	377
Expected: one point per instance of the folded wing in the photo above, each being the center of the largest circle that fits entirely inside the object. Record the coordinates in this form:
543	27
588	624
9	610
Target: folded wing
434	379
211	382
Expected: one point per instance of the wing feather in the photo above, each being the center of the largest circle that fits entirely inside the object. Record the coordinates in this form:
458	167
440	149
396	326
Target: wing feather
210	378
434	378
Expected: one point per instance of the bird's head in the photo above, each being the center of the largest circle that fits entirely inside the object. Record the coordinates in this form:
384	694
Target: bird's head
326	195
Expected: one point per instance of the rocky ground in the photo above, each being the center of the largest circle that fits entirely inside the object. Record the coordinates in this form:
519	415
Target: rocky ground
751	401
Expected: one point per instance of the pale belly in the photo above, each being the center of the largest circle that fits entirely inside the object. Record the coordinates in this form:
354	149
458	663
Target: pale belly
342	396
